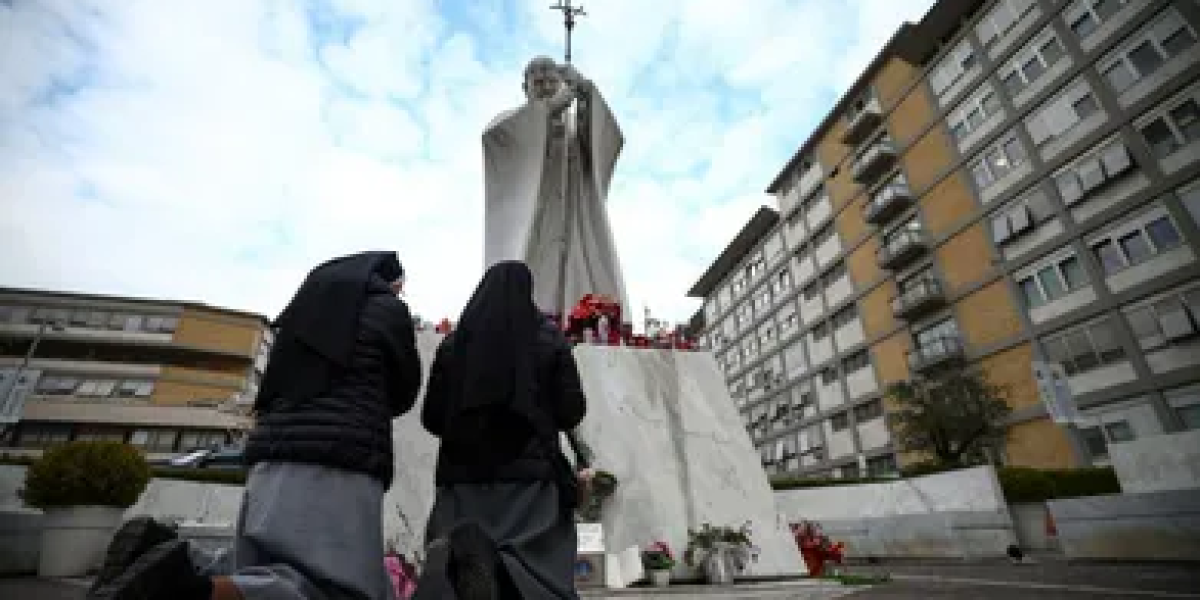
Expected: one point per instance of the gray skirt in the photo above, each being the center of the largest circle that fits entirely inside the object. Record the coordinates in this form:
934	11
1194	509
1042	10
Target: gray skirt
536	540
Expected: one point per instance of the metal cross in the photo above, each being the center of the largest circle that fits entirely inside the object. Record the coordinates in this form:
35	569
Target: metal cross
569	13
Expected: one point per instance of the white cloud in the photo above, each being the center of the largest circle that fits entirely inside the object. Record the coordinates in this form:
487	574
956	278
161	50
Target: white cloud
217	150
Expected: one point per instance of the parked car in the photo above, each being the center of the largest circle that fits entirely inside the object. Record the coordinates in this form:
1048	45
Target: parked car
228	457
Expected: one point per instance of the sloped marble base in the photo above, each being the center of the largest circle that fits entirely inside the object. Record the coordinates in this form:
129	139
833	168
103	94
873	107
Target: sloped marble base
663	423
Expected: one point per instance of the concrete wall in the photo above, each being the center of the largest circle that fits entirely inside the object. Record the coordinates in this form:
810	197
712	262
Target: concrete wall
1146	526
959	514
1029	524
967	490
1158	463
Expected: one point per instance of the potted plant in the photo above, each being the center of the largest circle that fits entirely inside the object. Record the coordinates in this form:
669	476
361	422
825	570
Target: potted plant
658	561
83	488
722	553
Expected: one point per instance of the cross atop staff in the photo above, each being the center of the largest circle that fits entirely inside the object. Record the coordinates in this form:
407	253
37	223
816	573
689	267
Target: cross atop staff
569	13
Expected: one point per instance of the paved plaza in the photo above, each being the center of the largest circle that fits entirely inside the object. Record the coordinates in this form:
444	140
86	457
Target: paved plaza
1050	580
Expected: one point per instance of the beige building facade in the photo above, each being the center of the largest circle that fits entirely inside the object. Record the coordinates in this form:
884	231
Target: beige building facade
1008	182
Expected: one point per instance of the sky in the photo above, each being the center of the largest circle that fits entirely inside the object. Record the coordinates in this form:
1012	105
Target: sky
216	150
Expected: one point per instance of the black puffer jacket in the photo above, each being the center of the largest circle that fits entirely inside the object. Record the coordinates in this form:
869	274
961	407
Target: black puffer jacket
350	426
558	391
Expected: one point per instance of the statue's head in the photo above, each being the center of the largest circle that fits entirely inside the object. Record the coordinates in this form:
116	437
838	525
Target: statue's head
542	78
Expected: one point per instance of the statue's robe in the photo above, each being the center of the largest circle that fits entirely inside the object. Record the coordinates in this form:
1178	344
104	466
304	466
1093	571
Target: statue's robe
528	216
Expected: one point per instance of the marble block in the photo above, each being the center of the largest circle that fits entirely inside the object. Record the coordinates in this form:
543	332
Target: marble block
663	423
406	505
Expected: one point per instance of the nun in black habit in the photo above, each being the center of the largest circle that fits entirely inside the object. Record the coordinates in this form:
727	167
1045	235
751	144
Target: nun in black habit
501	388
343	365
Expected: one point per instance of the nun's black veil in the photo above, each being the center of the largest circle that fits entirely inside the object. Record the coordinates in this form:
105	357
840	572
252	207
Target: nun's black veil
315	333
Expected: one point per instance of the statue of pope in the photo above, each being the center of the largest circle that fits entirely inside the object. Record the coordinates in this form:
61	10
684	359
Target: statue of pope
547	170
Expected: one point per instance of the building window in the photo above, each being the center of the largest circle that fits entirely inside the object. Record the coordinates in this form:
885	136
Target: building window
1002	17
820	331
1172	318
934	335
96	388
868	412
1093	440
1093	172
1189	195
998	161
812	291
1025	69
135	389
1063	112
56	386
42	435
762	301
829	376
882	466
1020	217
155	440
1085	16
1085	348
1052	281
973	112
856	362
839	421
952	66
1147	50
1177	127
1127	247
787	324
197	439
845	316
783	280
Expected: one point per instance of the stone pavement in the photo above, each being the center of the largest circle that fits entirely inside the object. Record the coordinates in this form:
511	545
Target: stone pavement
1044	581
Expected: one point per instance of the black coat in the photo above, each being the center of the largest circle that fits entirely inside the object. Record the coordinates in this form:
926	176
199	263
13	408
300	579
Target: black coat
350	426
558	391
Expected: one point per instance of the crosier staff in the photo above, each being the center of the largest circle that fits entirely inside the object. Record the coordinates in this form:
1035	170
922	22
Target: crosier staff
583	454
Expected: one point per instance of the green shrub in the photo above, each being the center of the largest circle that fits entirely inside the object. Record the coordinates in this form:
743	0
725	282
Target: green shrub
1076	483
87	473
1023	484
226	476
792	483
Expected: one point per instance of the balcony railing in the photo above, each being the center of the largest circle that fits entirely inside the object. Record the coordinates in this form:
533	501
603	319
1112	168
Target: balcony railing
901	248
935	353
887	203
924	296
872	163
862	123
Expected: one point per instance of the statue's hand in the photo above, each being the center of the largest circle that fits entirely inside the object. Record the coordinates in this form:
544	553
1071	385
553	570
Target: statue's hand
572	77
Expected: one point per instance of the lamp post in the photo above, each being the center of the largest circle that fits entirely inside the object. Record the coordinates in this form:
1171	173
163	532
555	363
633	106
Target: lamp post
10	409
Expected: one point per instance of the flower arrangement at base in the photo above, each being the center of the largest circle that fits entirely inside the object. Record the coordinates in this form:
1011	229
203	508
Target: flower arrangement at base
658	561
733	545
658	557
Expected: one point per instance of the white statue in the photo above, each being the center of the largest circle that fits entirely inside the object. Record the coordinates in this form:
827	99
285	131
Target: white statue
538	212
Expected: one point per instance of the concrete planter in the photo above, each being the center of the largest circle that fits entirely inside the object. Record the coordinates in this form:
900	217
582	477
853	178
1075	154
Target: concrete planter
74	539
20	541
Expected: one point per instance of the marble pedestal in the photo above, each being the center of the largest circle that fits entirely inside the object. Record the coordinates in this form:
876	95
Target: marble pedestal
662	421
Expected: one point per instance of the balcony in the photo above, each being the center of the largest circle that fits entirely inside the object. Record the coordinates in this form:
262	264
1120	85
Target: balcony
901	248
862	122
938	352
886	203
923	297
872	163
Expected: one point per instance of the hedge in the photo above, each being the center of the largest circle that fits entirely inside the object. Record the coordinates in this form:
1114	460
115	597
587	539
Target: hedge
1019	484
223	476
